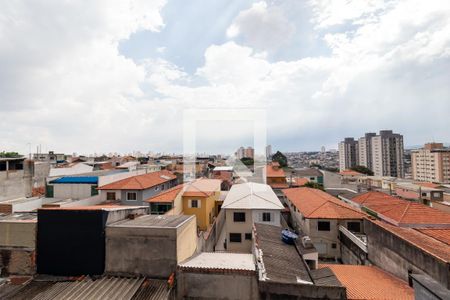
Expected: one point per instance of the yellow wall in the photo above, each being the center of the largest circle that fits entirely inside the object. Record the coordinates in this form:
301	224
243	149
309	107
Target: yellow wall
186	240
207	207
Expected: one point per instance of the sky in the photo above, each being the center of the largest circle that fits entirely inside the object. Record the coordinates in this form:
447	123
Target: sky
118	76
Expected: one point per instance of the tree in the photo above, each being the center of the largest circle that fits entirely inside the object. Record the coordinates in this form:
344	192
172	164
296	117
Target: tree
280	158
314	185
248	161
9	154
363	170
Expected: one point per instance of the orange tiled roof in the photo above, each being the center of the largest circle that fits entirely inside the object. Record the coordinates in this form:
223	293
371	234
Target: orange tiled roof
440	234
350	173
202	187
316	204
420	240
279	185
140	182
370	282
272	172
90	207
428	184
401	212
167	196
299	181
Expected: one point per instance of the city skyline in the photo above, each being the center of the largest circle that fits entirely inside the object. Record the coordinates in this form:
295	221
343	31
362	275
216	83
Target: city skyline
124	83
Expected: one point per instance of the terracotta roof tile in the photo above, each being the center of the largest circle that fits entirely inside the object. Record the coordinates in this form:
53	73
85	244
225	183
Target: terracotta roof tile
167	196
350	173
316	204
299	181
274	172
440	234
420	240
402	212
370	282
140	182
202	187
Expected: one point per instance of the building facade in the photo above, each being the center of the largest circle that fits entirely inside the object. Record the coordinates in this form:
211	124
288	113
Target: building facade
365	150
431	163
387	154
348	154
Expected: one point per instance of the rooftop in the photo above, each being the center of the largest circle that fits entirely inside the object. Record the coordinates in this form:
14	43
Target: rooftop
274	171
316	204
154	221
167	196
202	187
350	173
140	182
220	261
281	262
440	234
401	212
76	180
370	282
252	196
224	168
19	217
418	239
307	172
106	207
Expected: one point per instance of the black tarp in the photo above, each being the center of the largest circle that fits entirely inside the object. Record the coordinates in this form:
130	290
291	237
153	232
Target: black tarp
71	242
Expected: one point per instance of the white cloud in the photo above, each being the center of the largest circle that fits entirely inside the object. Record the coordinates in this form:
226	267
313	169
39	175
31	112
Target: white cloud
262	26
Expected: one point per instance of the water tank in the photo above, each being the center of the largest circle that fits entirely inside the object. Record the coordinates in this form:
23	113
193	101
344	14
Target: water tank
288	237
306	242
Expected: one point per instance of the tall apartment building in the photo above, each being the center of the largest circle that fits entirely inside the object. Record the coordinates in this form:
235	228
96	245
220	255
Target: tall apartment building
348	154
387	154
365	150
268	151
240	152
245	152
431	163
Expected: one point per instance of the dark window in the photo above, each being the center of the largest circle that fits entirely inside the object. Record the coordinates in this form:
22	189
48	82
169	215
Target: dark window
132	196
323	226
239	217
354	226
94	190
194	203
248	236
333	245
110	196
235	237
266	217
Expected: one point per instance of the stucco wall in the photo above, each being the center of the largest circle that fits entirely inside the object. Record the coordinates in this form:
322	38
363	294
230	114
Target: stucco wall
73	191
186	239
18	234
191	285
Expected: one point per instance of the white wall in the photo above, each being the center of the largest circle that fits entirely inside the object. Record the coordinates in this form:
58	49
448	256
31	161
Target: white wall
74	191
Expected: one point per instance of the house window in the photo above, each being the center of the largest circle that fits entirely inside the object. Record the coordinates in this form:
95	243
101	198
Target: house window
333	246
239	217
235	238
248	236
266	217
323	226
111	196
131	196
195	203
156	188
354	226
94	191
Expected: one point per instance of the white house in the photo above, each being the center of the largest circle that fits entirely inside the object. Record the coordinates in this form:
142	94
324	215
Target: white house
245	204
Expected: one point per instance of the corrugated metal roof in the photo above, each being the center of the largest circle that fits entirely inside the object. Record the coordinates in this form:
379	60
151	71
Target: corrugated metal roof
77	180
107	288
220	261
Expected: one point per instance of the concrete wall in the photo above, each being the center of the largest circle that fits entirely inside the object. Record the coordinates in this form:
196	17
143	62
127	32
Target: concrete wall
282	291
18	233
17	261
245	246
73	191
396	256
220	286
121	214
13	184
153	252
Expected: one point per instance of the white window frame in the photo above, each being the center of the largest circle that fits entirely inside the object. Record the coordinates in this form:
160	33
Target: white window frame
199	203
270	216
128	199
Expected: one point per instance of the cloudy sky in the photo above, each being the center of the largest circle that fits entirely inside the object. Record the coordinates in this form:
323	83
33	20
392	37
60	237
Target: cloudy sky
116	76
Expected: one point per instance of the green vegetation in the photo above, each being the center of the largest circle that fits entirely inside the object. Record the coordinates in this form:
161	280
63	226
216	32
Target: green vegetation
363	170
248	161
4	154
280	158
314	185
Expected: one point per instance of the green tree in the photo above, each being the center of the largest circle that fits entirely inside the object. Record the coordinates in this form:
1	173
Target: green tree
248	161
280	158
9	154
363	170
314	185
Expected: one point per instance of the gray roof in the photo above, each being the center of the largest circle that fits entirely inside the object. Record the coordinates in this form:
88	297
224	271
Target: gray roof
282	262
88	288
154	221
252	195
307	172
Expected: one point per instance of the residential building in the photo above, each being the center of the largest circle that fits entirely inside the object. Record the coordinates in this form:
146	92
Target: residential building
136	189
149	245
245	152
200	198
167	202
431	163
387	154
365	150
319	215
245	204
268	152
240	153
275	176
313	175
348	154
